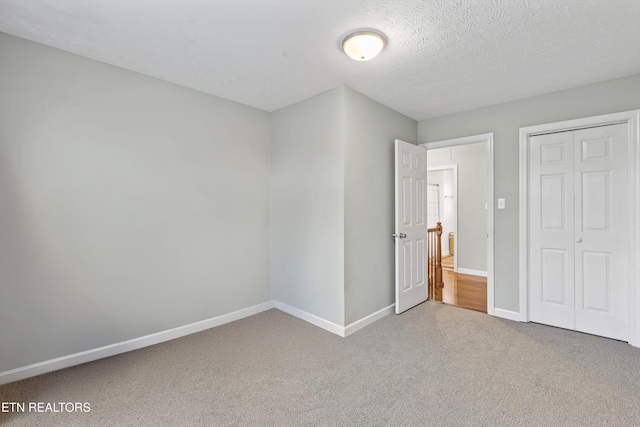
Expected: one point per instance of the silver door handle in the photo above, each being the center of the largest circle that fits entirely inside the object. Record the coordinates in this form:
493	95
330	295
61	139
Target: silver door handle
578	240
402	235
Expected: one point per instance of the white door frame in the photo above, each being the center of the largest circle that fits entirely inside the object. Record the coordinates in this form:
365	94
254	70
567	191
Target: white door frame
453	168
632	118
486	138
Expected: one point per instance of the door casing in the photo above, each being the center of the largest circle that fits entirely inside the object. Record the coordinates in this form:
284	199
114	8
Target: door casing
632	119
486	138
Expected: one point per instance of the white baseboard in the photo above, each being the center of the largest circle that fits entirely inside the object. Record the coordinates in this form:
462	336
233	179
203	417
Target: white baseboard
365	321
506	314
170	334
125	346
311	318
471	272
342	331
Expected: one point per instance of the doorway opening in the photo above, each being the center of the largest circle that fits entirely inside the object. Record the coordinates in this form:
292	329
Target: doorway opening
462	184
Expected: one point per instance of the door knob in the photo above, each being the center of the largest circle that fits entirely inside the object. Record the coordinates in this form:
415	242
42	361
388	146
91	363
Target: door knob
578	240
401	235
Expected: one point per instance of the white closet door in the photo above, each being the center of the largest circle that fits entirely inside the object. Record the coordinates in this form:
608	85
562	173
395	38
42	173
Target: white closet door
578	230
551	230
601	219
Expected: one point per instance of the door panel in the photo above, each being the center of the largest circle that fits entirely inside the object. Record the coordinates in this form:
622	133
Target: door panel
407	247
420	205
597	286
596	195
551	230
411	225
552	195
555	289
406	200
601	217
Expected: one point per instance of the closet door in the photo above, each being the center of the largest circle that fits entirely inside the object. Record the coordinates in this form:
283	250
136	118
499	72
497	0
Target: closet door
551	230
601	220
578	230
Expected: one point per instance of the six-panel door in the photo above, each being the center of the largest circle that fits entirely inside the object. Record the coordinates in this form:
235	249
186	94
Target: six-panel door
578	230
411	226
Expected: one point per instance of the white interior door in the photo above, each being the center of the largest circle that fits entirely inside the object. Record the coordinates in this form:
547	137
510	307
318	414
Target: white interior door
578	230
551	232
601	220
410	225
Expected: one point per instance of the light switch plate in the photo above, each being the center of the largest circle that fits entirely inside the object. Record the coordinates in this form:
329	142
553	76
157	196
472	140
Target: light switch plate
501	204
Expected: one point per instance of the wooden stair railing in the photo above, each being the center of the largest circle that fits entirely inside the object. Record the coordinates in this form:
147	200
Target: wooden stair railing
434	249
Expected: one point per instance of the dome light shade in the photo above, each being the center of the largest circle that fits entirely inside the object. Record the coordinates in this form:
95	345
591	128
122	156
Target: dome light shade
363	45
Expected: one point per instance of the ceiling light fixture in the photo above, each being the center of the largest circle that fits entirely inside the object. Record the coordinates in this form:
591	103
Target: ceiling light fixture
363	45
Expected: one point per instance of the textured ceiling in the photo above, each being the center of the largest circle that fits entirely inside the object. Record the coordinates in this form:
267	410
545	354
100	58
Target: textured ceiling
443	56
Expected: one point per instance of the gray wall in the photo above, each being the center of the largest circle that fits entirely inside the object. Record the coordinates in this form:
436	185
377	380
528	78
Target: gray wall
128	205
307	205
371	129
504	121
332	204
472	195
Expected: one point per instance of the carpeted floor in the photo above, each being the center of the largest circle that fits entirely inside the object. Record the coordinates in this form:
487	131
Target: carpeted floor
433	365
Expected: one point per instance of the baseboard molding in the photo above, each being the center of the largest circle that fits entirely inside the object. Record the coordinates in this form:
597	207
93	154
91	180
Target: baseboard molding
181	331
311	318
506	314
471	272
342	331
365	321
125	346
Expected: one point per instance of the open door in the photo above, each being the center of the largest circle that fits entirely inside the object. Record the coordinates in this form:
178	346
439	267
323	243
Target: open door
410	225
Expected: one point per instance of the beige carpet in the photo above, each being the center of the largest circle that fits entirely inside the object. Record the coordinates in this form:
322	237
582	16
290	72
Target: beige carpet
434	365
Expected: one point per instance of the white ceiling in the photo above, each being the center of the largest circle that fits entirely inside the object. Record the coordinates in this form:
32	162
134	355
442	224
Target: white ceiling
443	56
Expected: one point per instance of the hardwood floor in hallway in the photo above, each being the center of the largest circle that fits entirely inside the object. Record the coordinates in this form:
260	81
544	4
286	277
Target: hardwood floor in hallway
464	290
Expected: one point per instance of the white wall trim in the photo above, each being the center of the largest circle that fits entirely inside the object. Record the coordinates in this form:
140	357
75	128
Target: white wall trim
491	300
311	318
507	314
342	331
633	120
367	320
523	231
465	140
181	331
471	272
129	345
634	231
475	139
